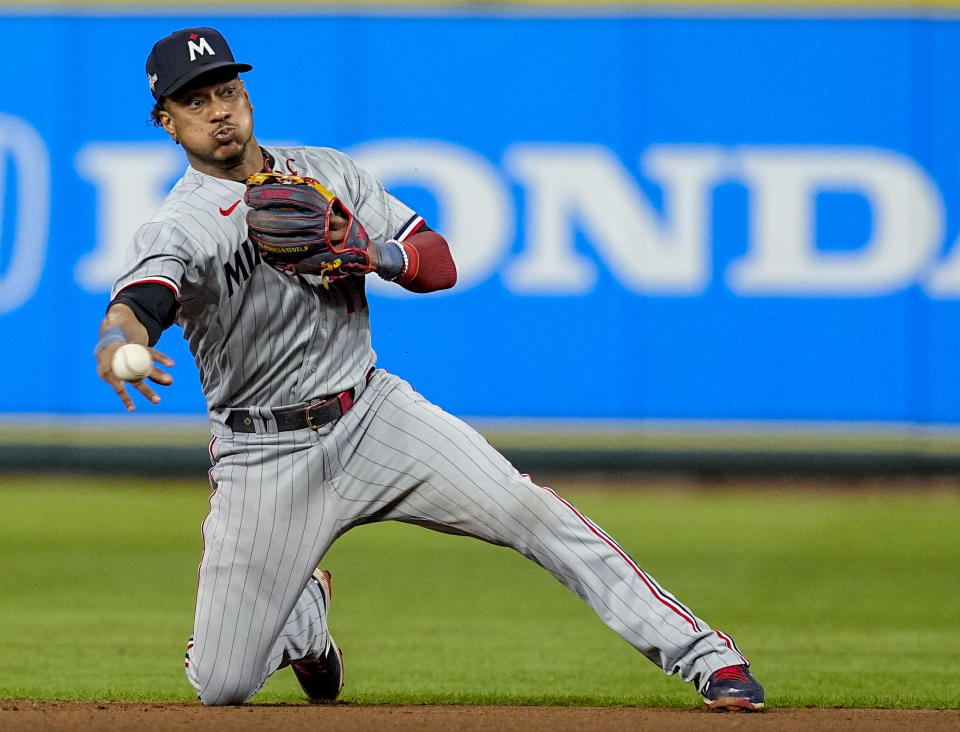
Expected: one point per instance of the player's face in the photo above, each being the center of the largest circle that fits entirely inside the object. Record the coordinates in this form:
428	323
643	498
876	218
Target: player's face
214	123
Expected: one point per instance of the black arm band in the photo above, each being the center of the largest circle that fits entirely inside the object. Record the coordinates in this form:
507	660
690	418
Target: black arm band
154	305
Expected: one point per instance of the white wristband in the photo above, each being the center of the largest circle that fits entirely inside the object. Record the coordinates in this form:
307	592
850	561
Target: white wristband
406	259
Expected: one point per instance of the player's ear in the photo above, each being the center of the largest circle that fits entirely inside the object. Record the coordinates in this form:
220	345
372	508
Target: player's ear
167	121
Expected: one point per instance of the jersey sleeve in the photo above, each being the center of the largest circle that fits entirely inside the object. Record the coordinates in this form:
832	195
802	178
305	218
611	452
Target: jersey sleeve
163	255
154	305
383	215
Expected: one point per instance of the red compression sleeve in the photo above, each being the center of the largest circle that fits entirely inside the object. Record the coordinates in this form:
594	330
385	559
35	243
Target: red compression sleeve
430	266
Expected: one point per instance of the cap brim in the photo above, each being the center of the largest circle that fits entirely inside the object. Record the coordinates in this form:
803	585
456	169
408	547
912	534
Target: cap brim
178	84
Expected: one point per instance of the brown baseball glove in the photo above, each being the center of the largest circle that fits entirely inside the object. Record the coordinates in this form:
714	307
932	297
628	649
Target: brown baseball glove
302	228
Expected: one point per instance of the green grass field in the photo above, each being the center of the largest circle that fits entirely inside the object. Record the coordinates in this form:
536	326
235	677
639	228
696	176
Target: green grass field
839	598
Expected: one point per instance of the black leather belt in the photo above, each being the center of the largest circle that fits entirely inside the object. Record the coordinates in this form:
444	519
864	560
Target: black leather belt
315	415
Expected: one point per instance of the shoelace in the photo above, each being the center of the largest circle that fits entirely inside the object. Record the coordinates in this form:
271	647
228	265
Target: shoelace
311	670
731	673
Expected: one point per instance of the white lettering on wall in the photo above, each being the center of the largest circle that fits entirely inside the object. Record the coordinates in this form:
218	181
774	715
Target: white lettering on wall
23	152
783	260
943	282
474	209
585	187
568	191
129	180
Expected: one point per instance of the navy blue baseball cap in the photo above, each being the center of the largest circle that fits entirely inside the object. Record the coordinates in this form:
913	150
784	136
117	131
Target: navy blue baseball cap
182	56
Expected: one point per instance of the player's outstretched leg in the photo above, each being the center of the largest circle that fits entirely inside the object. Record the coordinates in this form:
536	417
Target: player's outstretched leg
429	468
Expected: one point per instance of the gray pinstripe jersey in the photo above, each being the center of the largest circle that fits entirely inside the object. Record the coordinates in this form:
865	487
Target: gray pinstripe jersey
261	338
281	498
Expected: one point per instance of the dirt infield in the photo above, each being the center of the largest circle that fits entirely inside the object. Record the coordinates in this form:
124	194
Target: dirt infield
110	716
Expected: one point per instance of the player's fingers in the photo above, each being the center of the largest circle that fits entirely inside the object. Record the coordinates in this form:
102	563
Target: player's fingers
121	388
161	357
160	376
149	393
338	228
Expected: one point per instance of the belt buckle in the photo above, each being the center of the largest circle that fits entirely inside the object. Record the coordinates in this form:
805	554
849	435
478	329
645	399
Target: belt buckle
306	414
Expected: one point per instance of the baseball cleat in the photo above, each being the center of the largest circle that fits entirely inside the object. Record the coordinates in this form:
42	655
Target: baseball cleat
322	678
733	689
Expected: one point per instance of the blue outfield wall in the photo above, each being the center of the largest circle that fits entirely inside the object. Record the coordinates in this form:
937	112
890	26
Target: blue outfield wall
654	217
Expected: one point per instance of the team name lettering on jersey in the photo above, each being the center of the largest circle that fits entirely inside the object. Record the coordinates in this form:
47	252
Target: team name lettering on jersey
241	268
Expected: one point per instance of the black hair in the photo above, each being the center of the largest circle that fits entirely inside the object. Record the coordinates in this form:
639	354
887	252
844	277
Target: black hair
155	114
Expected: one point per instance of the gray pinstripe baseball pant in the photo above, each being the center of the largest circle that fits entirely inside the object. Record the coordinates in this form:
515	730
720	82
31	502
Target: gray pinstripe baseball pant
281	499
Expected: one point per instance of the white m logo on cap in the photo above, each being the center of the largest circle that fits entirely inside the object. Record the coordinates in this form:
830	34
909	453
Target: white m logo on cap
199	48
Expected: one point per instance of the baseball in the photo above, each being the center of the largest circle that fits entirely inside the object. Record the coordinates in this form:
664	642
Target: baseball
132	362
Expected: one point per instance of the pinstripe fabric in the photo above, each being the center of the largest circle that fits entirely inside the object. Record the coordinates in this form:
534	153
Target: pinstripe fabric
256	610
451	478
261	338
395	456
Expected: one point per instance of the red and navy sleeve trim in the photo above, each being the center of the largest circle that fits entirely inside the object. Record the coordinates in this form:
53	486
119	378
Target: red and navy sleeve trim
154	280
414	224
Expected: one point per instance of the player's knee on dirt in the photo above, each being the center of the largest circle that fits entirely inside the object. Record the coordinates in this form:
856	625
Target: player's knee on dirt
218	687
217	691
224	698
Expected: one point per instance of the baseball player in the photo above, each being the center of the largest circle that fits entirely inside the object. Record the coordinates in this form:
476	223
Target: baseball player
260	254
